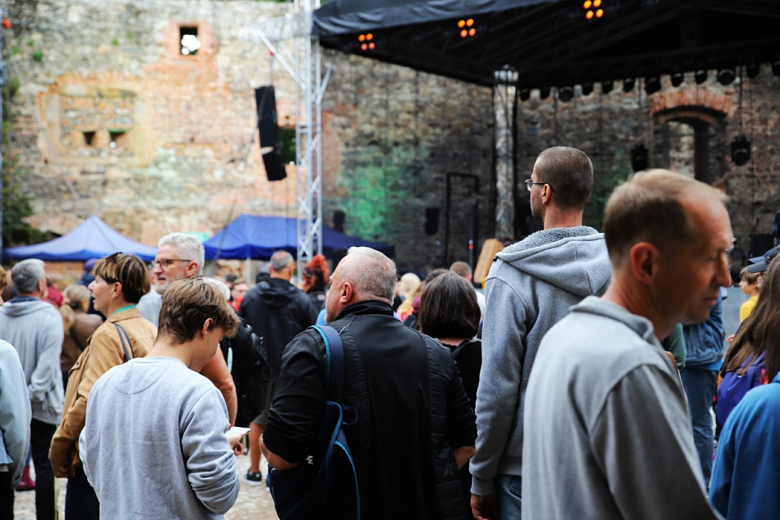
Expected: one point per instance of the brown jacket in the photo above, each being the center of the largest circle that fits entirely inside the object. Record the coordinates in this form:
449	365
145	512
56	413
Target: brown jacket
82	328
103	351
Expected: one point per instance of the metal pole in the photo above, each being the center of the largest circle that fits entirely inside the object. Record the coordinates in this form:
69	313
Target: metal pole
2	86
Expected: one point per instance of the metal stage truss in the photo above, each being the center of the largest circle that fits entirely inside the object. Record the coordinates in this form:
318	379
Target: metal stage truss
304	64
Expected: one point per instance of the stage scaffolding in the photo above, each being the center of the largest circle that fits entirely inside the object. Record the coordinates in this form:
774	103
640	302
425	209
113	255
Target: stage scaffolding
304	64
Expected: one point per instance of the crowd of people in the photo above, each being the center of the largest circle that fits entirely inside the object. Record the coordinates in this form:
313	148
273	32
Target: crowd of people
580	385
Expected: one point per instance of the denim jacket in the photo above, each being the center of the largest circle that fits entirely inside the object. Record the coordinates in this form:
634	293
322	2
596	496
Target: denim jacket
704	341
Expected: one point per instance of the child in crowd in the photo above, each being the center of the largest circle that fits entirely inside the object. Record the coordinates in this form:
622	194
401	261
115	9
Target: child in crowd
748	282
154	443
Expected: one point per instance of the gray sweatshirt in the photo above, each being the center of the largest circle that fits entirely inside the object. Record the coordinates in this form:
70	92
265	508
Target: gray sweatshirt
154	443
530	287
607	430
34	328
14	413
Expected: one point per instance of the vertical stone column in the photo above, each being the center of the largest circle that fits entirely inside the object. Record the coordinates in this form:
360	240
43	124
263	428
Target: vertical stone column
504	110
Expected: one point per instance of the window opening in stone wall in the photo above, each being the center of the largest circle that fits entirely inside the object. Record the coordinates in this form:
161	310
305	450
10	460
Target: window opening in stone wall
287	138
190	43
686	147
117	138
89	138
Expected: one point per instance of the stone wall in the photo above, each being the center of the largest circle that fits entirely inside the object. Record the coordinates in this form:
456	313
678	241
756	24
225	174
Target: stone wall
111	72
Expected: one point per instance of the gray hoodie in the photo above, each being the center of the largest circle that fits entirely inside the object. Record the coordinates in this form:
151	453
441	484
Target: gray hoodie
530	288
34	328
608	435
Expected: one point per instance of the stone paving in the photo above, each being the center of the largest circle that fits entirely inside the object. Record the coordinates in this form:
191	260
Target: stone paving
254	502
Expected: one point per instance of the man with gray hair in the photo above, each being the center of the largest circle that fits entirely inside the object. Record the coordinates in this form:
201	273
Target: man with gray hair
414	425
277	311
34	328
181	256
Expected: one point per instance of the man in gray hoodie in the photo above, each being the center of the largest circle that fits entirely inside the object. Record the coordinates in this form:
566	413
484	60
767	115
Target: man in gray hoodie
608	435
530	287
34	328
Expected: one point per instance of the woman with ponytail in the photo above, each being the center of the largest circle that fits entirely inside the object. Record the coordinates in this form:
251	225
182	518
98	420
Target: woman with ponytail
78	325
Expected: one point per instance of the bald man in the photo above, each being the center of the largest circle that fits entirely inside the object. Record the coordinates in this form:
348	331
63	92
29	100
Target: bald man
414	428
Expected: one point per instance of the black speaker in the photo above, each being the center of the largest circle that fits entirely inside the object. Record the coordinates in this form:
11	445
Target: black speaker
338	221
431	221
269	133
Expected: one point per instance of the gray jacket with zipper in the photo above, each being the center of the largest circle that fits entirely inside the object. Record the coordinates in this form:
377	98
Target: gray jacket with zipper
529	289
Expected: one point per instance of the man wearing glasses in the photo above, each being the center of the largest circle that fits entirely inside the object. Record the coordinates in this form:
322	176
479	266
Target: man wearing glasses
181	256
530	288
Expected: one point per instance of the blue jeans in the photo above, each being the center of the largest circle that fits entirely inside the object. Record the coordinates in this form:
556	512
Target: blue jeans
700	387
509	495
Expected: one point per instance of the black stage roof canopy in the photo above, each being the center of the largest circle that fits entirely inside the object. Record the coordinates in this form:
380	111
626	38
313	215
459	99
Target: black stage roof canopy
554	42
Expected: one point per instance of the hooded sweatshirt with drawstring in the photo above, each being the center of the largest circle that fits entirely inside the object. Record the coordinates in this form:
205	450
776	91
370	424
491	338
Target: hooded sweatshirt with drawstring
277	311
530	288
34	328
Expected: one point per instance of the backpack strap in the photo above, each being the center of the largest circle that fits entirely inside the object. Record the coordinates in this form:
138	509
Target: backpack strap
334	353
125	339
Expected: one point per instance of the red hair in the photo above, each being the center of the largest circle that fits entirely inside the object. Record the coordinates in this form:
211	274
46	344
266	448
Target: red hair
316	272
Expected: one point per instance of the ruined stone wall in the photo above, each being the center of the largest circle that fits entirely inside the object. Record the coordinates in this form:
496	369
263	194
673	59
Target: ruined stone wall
111	72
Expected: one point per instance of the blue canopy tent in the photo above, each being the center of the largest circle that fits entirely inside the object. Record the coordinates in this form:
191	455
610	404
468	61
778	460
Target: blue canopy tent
255	237
92	239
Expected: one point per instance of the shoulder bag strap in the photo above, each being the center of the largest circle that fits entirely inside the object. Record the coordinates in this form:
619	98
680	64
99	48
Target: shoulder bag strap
125	339
334	351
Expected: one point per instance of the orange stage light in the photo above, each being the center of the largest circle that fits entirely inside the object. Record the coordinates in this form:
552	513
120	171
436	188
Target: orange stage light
464	33
371	45
369	37
599	13
589	15
472	32
596	3
469	22
363	47
587	4
362	38
461	24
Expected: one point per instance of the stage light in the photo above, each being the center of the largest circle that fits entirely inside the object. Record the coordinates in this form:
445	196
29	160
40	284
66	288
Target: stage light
544	92
587	5
776	68
652	85
726	76
700	76
587	89
565	94
525	94
628	84
467	28
639	158
362	38
369	36
677	78
599	13
753	70
740	150
371	45
589	15
596	3
606	86
364	47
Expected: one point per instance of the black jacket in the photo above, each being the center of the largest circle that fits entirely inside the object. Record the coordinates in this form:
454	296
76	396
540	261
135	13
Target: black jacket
277	311
412	411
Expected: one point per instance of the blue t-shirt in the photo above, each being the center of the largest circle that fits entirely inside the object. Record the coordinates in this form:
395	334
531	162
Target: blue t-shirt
746	475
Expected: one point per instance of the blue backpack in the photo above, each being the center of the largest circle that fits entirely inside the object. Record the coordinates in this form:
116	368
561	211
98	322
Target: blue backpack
734	387
326	482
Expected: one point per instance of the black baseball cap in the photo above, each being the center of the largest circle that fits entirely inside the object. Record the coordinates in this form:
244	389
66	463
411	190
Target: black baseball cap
763	265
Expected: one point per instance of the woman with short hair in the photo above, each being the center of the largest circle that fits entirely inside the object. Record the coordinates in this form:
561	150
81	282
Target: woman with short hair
450	313
120	281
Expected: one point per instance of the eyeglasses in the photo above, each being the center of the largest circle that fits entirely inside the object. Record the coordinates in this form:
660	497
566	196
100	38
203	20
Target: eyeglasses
167	262
530	183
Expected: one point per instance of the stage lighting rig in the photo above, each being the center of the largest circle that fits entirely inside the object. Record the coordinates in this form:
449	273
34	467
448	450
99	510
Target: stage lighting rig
525	94
700	76
740	150
677	79
727	76
366	42
753	70
587	89
467	28
593	9
639	157
544	92
565	94
607	86
652	85
628	84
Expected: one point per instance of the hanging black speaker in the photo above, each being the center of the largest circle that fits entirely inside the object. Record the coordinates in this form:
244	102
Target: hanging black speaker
269	133
338	221
431	221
